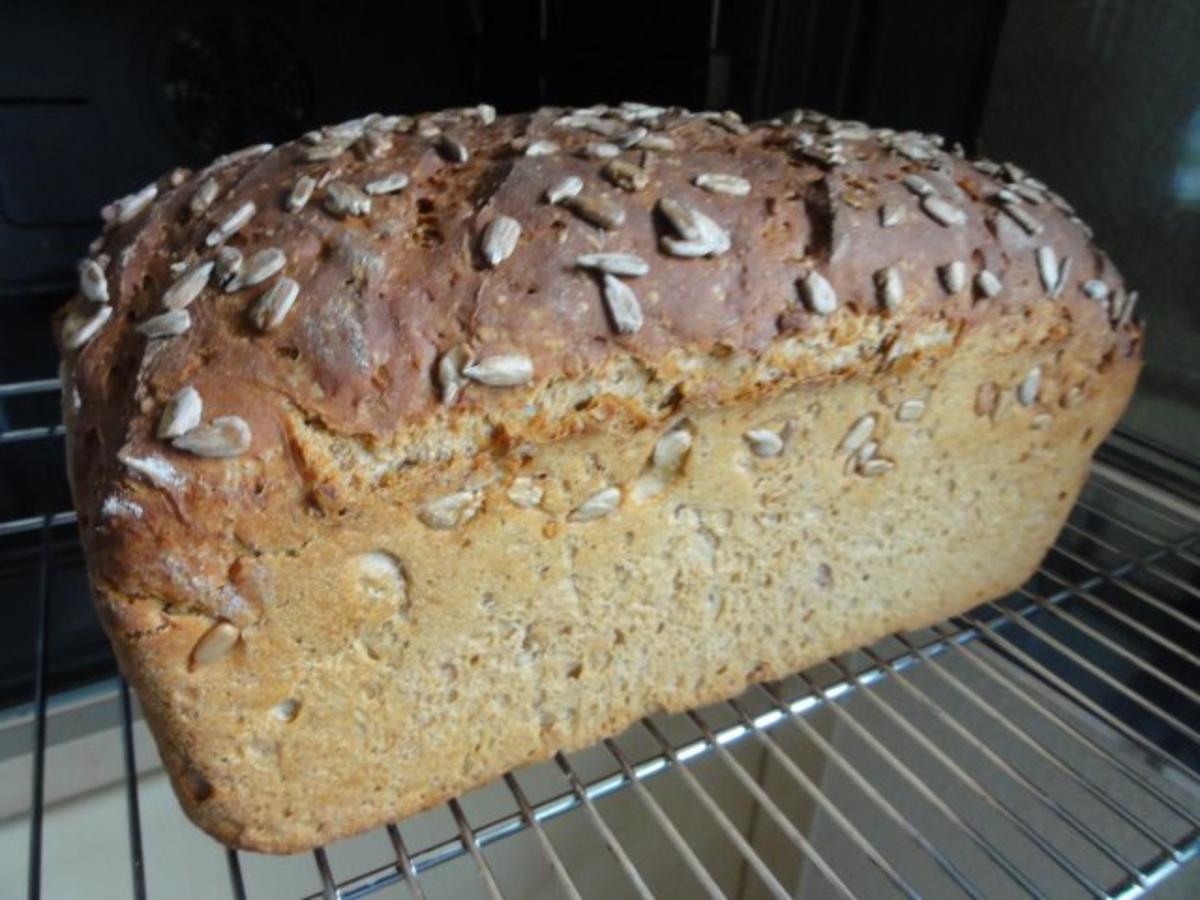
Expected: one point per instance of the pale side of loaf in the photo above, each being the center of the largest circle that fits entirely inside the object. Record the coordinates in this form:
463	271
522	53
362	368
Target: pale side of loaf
414	494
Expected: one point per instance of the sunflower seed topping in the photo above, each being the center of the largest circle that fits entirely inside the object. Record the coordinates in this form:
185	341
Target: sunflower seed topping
453	149
388	184
204	196
953	276
449	373
504	370
764	442
168	324
92	283
245	153
375	144
1064	273
342	200
222	438
259	267
1028	223
918	185
627	264
273	306
910	410
891	214
181	414
187	288
486	113
682	218
524	493
78	331
632	137
625	175
720	183
300	193
623	306
600	504
659	143
1126	315
499	239
598	211
819	295
671	449
859	433
698	234
1027	390
1047	266
228	266
889	288
599	150
874	467
330	148
215	644
942	212
231	224
1095	289
128	208
450	511
987	283
565	189
541	148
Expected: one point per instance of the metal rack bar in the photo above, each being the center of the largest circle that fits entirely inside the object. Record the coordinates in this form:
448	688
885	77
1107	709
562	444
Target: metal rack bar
468	837
405	862
22	435
36	386
236	882
547	845
328	886
137	864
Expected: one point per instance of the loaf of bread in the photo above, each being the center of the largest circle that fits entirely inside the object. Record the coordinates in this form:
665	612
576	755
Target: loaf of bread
420	448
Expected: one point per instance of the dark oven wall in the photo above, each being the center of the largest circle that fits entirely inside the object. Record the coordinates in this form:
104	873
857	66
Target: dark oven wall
96	99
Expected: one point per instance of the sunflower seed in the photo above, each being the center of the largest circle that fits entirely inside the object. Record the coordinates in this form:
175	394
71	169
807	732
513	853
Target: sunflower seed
259	267
891	214
987	167
1126	315
625	175
388	184
1027	390
987	283
682	218
393	123
720	183
181	414
428	130
623	306
453	149
914	151
128	208
1028	223
313	137
627	264
204	196
953	276
541	148
1064	273
1004	195
888	287
872	468
92	283
374	144
701	236
449	373
632	137
730	122
1012	172
524	493
568	187
77	331
300	193
499	239
670	450
223	437
605	127
486	113
451	510
1095	289
987	399
245	153
642	110
342	200
910	410
231	224
168	324
1047	266
918	185
763	442
859	433
659	143
600	504
599	150
273	306
504	370
330	148
187	288
228	266
598	211
819	295
1028	193
942	212
214	644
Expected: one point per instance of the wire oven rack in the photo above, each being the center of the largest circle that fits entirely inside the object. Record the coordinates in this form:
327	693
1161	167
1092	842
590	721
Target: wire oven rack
1045	744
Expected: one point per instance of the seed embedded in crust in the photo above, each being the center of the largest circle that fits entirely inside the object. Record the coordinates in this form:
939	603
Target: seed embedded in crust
891	214
215	644
1047	266
77	332
181	414
600	504
169	324
326	149
671	450
623	306
499	240
1095	289
953	276
988	284
92	283
541	148
524	492
943	212
228	266
186	289
888	287
224	437
450	511
918	185
626	175
910	410
130	207
564	190
273	306
1028	223
763	442
259	267
342	200
204	197
987	399
598	211
231	224
627	264
599	150
449	373
452	148
1064	273
871	468
300	193
859	433
388	184
503	370
819	295
720	183
698	234
1027	390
